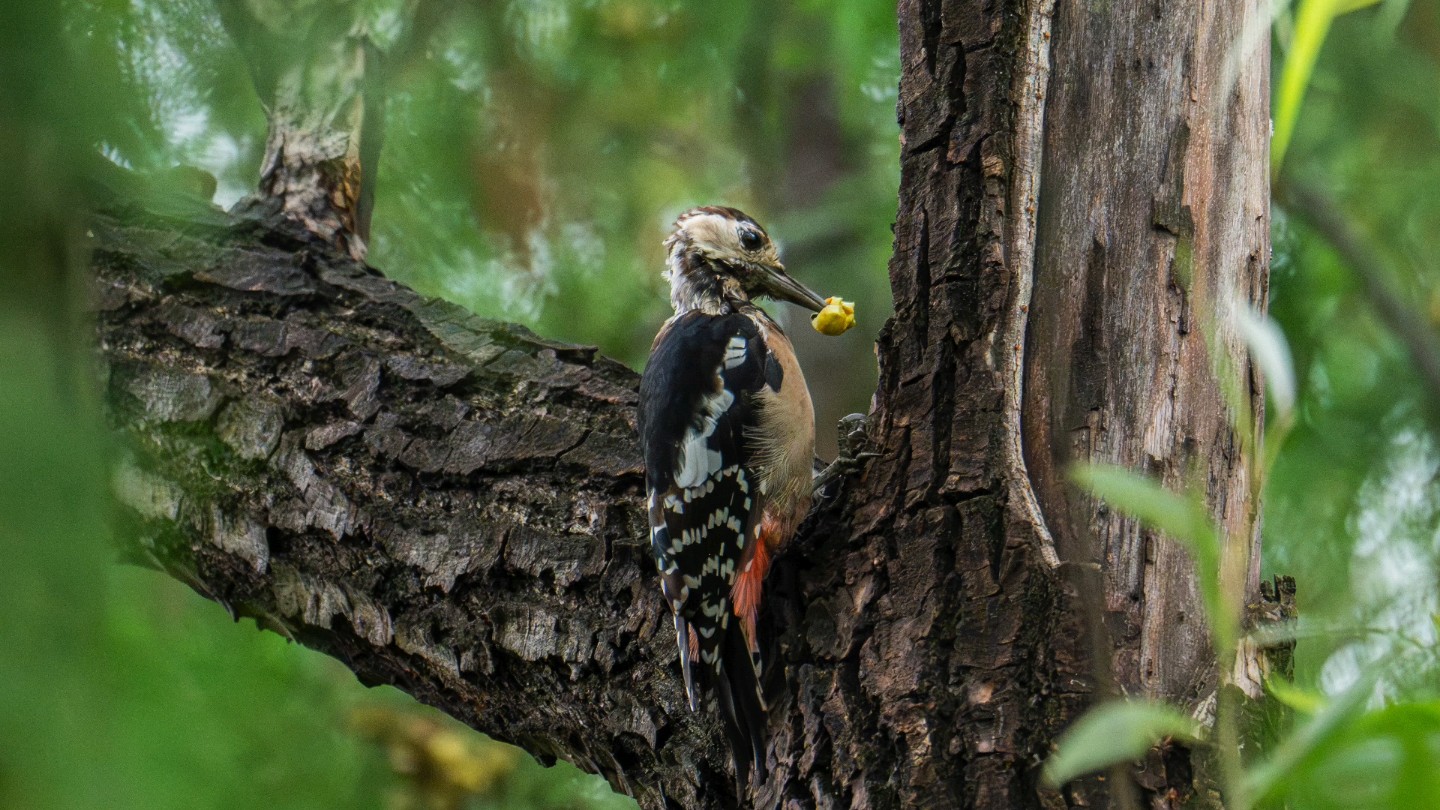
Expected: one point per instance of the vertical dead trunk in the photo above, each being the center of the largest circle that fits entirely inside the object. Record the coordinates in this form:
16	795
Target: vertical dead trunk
946	652
1153	221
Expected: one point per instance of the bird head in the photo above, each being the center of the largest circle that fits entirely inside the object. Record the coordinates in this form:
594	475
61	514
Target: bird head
719	257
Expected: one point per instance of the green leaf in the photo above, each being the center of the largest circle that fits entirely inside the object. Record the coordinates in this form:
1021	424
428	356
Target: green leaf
1312	736
1145	500
1312	25
1183	519
1116	732
1303	701
1347	6
1379	759
1271	353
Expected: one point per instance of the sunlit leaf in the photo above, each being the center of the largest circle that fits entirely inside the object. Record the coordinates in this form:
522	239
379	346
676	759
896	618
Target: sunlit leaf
1183	519
1271	353
1312	25
1304	701
1117	732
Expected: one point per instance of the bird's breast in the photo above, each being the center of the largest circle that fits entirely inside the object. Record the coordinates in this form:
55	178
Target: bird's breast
784	438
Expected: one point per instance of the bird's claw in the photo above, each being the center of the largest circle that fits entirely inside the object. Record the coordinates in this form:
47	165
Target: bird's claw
852	440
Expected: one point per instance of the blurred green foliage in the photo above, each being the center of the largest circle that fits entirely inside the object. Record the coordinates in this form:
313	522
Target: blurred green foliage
535	161
221	715
51	481
536	152
1351	509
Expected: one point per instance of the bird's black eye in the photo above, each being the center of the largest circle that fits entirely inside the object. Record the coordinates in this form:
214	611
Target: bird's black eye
750	240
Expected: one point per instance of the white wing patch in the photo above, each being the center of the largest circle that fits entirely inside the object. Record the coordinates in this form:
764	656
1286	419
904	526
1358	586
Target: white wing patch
697	461
735	352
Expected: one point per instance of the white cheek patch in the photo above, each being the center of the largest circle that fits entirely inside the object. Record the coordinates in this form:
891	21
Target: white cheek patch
697	461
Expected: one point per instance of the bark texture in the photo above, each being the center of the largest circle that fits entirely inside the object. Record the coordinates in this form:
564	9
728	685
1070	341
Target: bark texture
452	505
1078	206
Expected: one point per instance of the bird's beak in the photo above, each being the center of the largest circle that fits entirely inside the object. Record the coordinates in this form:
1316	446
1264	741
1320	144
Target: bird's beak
780	286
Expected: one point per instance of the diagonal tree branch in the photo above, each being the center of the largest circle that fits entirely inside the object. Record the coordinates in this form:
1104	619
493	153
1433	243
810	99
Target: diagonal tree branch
447	504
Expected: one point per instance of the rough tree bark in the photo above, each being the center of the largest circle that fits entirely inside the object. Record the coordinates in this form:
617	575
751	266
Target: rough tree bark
452	505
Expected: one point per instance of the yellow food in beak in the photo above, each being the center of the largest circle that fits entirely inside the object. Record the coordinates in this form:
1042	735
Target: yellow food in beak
836	317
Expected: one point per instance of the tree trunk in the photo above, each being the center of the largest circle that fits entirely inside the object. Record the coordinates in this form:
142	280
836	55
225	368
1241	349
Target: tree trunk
1078	208
318	75
453	506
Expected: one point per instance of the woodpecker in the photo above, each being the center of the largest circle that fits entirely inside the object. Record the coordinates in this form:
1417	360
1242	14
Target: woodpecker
728	433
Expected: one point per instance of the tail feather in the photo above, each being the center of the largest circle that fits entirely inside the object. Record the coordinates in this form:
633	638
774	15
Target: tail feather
689	652
742	705
726	664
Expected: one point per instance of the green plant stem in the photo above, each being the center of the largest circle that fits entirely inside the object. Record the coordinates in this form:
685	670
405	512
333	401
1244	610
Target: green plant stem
1321	212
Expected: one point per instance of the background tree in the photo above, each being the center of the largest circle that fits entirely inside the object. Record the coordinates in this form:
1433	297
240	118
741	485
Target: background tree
276	398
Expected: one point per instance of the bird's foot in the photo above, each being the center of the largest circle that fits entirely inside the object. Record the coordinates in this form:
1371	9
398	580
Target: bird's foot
853	440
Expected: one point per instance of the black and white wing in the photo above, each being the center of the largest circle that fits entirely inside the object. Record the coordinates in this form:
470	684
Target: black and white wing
696	405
